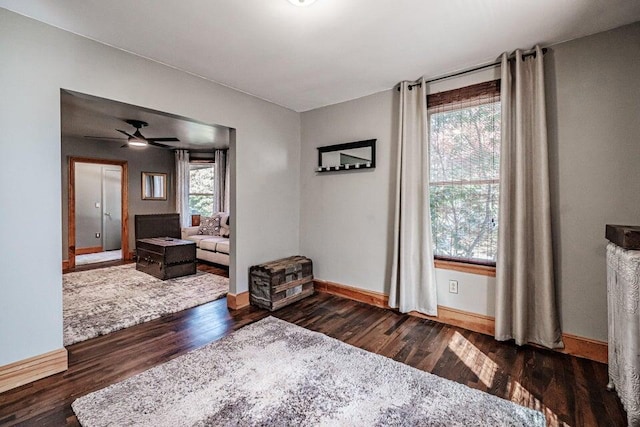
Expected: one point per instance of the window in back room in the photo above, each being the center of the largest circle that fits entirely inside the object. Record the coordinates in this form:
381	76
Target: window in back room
201	188
464	146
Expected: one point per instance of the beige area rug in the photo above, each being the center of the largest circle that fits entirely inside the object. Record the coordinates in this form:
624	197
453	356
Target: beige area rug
104	300
273	373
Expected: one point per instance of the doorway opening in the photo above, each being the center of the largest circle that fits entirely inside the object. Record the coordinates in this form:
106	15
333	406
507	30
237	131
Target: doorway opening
98	211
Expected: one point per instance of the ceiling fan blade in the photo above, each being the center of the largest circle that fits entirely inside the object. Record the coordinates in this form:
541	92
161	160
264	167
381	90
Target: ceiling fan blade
104	137
171	139
129	135
158	145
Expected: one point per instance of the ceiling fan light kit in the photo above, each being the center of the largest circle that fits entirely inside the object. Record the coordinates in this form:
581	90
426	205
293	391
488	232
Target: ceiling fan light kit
137	143
137	139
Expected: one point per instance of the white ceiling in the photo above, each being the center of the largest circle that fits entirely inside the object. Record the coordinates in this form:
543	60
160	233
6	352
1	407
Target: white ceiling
332	51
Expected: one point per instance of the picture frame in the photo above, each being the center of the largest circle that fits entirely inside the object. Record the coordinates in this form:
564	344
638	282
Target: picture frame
154	186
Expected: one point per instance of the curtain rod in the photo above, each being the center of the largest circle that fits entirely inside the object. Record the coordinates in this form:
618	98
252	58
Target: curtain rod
478	68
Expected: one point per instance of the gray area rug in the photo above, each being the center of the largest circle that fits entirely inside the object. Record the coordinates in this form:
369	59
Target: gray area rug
104	300
273	373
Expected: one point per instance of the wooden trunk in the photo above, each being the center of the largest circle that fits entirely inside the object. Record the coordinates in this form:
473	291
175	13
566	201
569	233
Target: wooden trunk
625	236
157	225
166	258
275	284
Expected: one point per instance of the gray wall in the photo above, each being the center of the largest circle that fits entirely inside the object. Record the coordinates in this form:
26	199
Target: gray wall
39	60
345	216
593	100
594	122
138	161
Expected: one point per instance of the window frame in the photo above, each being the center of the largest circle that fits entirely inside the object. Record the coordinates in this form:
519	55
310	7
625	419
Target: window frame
465	267
459	96
212	194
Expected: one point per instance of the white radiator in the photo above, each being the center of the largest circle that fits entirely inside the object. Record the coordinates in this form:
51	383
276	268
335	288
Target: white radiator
623	298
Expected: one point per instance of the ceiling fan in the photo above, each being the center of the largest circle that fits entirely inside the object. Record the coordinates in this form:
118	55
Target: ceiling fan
137	139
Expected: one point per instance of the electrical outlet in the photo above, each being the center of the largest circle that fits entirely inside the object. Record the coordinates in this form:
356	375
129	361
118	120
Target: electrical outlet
453	286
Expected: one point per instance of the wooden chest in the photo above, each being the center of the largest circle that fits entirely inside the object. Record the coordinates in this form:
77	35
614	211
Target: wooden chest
166	257
625	236
275	284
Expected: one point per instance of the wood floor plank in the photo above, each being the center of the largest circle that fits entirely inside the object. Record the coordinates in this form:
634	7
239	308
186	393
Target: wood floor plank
570	391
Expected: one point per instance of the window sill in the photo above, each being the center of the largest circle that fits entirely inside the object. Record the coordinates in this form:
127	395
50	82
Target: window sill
483	270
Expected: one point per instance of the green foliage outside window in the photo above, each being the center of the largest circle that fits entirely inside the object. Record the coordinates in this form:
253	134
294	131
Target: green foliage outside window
464	181
201	189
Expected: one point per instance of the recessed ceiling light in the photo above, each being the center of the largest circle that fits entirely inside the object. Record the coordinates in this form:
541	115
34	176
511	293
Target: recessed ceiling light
302	2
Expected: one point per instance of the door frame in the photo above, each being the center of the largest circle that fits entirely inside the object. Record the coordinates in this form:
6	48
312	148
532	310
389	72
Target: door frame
71	196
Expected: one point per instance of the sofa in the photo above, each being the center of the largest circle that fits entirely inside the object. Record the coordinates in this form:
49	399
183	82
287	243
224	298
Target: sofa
212	243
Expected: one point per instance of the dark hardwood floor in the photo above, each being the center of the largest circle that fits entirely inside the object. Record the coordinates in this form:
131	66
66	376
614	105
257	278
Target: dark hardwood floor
569	390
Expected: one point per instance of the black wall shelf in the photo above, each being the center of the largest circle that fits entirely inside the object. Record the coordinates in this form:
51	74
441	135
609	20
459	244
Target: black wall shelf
349	158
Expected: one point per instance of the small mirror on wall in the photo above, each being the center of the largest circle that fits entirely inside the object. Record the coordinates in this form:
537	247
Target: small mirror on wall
154	186
350	156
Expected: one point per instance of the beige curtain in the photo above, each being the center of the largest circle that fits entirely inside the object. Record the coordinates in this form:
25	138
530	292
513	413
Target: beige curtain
227	183
182	187
413	283
525	291
221	181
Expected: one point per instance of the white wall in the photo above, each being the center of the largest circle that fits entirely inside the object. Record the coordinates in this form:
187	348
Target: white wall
37	61
594	122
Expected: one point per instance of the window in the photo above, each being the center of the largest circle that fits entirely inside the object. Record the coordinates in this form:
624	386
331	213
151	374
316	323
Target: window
201	188
464	146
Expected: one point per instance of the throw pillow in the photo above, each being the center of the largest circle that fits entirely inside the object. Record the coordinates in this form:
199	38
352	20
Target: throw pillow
224	225
209	226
